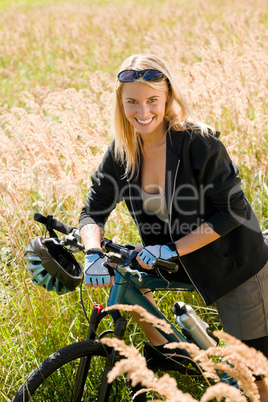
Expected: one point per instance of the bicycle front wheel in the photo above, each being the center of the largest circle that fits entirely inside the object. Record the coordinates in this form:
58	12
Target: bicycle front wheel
55	379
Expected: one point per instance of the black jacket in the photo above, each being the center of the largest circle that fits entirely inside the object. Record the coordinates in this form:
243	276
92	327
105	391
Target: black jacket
201	185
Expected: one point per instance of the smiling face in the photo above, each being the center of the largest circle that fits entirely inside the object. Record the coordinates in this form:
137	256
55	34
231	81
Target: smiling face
144	108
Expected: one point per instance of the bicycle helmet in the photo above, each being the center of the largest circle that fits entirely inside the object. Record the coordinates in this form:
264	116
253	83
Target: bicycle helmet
40	276
57	262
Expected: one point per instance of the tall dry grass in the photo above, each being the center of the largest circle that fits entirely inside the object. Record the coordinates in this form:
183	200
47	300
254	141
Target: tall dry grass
57	67
236	360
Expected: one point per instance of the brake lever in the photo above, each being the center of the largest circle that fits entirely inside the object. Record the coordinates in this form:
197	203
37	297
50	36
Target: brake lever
134	271
72	240
124	258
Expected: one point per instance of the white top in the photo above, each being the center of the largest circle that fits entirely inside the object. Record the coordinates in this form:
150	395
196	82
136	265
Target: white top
155	203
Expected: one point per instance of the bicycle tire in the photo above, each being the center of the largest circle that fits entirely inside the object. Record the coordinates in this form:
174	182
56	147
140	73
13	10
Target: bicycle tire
54	378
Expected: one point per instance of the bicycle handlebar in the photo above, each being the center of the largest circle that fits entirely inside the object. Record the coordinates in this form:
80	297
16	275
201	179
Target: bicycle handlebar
122	254
126	255
52	224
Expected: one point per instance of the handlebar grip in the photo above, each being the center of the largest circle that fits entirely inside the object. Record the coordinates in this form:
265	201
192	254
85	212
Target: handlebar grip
52	223
169	266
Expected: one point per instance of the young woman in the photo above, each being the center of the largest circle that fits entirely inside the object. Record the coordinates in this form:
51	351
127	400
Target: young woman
184	194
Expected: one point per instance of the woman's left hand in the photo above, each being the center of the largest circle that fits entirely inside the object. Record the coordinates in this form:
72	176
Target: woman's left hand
146	258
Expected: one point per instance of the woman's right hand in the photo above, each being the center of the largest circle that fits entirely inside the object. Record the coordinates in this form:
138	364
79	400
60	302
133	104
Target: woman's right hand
96	274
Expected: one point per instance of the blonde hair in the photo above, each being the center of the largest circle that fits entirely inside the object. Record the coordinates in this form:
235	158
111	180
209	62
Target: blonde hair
177	114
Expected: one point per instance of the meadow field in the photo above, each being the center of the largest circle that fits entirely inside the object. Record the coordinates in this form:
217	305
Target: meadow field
58	63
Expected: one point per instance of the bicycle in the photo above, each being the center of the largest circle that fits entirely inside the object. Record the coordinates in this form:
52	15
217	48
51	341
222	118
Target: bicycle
72	367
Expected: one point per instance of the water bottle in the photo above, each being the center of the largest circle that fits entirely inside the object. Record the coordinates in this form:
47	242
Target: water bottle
199	331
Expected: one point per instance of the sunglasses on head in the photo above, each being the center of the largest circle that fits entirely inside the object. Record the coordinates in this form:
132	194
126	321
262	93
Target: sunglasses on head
147	75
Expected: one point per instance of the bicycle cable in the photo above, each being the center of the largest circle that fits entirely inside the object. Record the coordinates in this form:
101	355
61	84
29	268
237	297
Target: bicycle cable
81	299
162	276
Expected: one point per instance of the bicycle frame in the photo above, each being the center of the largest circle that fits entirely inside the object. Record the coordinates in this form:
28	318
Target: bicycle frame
126	291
